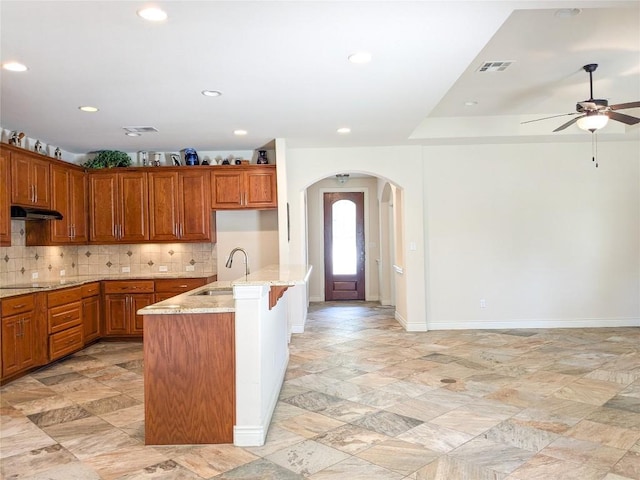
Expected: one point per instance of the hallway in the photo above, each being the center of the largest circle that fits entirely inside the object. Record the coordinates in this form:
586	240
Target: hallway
363	399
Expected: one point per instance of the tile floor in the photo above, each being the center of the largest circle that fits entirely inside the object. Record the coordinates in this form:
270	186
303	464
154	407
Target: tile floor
362	400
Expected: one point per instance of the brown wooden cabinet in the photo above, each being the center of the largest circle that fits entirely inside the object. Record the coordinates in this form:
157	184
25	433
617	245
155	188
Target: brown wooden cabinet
170	287
5	199
19	334
29	180
240	187
118	207
69	197
179	206
91	312
122	299
64	323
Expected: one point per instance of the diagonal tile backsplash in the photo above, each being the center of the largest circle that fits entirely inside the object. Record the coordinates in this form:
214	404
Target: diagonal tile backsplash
18	263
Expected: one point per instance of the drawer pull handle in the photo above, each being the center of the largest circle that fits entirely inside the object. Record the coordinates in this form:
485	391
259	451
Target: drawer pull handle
19	306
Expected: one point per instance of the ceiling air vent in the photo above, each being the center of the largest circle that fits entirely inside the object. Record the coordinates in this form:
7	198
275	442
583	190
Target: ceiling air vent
495	66
140	129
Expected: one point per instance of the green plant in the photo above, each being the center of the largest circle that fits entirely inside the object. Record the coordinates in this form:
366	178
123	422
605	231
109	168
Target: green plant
108	159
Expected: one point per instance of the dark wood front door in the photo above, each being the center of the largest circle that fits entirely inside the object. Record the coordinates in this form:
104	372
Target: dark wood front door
344	246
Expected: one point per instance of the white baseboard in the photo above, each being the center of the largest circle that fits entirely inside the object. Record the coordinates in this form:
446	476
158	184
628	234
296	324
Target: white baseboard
316	299
536	323
249	436
297	329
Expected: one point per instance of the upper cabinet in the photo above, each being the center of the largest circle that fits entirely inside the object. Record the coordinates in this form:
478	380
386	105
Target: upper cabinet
179	206
69	197
5	199
118	207
29	180
239	187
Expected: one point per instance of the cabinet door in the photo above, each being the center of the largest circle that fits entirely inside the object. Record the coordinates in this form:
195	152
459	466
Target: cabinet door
226	189
21	187
5	199
195	208
40	180
103	220
164	222
260	189
91	318
137	302
133	207
116	311
60	229
18	343
78	204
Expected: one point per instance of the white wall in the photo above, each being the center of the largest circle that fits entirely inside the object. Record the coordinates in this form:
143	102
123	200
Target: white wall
401	166
537	231
254	230
315	219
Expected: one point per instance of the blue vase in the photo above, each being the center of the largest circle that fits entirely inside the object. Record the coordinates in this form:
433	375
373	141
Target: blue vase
191	157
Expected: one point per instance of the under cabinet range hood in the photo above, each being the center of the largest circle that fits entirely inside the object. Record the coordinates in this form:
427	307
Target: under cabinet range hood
32	213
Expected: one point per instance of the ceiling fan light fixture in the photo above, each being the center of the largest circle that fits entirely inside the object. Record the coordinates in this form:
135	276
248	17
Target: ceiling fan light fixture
593	121
152	14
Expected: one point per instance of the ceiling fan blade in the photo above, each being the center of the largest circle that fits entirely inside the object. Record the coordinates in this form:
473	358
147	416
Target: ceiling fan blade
622	106
547	118
568	124
621	117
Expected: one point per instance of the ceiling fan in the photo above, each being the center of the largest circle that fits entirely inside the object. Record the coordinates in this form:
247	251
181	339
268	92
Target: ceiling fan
595	112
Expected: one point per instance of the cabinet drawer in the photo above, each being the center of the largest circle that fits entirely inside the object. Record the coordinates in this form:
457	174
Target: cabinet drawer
90	289
128	286
66	295
13	305
65	316
178	285
67	341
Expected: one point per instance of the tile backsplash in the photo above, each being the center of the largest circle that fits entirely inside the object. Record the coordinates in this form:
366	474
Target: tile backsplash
19	263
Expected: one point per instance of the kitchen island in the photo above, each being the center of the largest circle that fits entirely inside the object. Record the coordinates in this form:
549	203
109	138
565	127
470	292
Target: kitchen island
215	358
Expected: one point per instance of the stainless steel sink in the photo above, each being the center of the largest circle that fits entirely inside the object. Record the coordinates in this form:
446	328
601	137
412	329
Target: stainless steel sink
213	291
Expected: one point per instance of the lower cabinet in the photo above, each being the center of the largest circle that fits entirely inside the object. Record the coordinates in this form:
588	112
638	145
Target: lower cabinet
170	287
19	334
122	299
65	322
91	312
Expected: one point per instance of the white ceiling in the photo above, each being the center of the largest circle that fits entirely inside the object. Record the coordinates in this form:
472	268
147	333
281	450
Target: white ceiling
282	68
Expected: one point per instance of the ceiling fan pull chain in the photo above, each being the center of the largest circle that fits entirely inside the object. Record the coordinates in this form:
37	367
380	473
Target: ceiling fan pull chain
594	148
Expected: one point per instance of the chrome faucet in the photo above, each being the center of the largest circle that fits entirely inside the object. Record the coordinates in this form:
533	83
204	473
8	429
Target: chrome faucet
246	260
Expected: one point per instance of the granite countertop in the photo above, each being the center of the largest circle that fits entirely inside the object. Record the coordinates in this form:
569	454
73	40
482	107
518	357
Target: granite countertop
221	298
66	282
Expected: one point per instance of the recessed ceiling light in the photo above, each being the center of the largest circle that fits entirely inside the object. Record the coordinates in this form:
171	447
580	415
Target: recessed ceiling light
211	93
88	108
343	130
14	67
240	132
567	12
470	103
133	134
360	57
152	14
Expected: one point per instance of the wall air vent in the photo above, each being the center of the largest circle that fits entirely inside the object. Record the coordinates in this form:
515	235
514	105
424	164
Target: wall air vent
140	129
495	66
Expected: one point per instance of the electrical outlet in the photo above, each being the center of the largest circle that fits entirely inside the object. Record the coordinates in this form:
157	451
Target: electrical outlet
483	303
126	269
163	268
63	273
190	268
34	275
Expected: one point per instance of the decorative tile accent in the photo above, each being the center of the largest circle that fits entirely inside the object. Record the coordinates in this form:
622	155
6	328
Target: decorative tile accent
36	256
61	254
6	258
129	253
192	262
171	252
87	254
22	270
49	267
109	264
150	263
22	232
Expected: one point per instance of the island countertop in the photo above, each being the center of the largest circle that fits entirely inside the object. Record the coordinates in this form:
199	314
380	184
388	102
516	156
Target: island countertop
217	297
